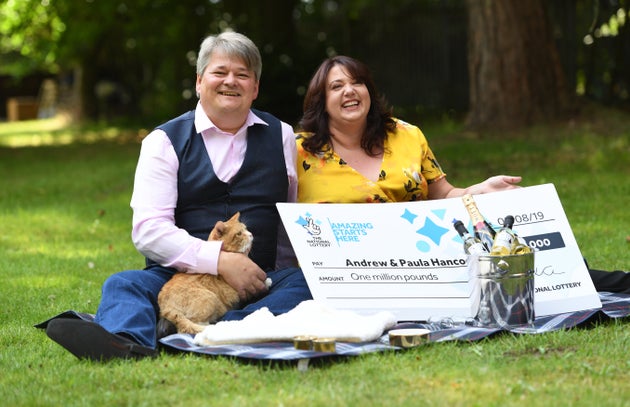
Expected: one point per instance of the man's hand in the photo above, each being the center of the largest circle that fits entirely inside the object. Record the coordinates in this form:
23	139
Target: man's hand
242	274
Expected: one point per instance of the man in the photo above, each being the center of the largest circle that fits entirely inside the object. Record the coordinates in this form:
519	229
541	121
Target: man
194	170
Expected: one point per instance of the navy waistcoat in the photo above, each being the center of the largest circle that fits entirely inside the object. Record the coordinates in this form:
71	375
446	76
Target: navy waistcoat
203	199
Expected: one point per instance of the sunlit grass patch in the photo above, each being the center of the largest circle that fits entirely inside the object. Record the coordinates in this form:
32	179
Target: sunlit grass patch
59	131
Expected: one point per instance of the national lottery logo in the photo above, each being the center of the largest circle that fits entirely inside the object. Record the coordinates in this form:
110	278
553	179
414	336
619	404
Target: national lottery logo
310	224
343	232
313	229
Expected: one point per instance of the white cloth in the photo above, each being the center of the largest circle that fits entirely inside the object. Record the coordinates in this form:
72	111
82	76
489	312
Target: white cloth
310	318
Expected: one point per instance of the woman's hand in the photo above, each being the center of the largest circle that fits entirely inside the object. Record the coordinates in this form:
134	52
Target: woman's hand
495	184
443	189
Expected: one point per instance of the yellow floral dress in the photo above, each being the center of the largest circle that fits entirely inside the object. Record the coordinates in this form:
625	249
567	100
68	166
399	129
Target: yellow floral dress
408	167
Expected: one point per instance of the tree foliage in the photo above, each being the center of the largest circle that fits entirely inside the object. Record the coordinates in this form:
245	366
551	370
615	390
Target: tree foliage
137	58
29	37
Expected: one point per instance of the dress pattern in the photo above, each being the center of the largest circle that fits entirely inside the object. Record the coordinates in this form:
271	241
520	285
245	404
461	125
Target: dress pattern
407	168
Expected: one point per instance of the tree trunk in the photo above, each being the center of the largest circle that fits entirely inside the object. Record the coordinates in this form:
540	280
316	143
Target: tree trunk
515	73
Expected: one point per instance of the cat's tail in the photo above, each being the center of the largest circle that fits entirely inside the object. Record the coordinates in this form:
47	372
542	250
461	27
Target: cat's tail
165	328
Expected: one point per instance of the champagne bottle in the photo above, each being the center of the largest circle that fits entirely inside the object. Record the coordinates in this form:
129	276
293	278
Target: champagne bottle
472	245
520	246
483	230
490	228
505	239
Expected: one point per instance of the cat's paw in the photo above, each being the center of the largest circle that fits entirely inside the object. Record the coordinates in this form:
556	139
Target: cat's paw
268	283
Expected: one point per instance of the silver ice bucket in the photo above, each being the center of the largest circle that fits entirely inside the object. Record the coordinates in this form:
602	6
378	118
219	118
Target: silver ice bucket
506	290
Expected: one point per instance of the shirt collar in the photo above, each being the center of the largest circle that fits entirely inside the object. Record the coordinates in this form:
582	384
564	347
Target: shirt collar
203	122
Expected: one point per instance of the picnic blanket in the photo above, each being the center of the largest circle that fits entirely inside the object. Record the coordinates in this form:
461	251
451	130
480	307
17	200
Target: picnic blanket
613	306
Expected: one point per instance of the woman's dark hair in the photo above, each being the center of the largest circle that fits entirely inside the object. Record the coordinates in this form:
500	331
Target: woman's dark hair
315	117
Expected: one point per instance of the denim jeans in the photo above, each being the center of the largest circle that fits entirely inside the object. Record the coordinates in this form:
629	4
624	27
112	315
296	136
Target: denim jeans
129	300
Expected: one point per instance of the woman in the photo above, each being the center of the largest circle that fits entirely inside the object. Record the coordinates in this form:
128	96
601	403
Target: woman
352	150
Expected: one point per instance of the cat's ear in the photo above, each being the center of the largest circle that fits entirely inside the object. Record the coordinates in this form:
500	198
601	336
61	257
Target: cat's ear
218	231
235	216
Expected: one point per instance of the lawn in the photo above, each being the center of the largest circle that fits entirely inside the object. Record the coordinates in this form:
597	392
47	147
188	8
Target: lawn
65	226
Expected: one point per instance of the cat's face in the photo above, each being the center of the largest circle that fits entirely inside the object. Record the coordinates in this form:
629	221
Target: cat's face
234	234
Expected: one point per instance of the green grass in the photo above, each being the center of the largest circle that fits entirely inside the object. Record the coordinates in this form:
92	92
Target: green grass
65	223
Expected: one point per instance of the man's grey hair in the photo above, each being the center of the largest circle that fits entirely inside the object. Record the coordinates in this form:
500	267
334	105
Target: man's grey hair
233	45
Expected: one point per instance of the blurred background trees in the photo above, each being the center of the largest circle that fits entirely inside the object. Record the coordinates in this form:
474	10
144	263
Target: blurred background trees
514	67
507	63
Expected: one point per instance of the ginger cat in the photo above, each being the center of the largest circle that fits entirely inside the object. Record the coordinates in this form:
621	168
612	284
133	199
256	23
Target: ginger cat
189	302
